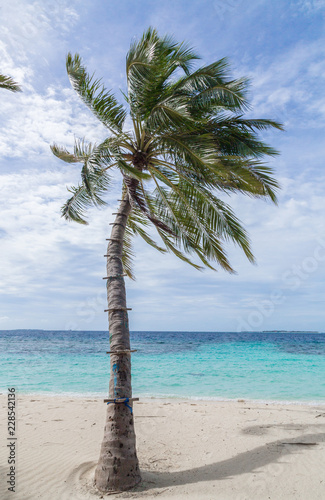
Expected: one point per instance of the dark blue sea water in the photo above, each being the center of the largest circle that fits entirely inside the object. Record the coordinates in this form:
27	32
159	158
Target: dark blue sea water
221	365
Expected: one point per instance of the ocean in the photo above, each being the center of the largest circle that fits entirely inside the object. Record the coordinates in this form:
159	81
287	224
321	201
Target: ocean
268	366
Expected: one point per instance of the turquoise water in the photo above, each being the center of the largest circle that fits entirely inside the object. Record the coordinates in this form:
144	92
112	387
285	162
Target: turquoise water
261	366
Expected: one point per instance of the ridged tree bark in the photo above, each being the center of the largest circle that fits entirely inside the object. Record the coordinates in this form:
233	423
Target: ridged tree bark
118	467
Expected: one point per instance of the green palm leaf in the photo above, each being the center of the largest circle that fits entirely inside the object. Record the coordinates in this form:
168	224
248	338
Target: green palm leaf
6	82
101	102
74	208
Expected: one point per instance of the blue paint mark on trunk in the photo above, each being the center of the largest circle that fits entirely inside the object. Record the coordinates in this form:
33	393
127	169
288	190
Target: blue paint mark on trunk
115	372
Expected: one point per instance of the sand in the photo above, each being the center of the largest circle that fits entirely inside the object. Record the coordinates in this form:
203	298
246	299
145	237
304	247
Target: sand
187	449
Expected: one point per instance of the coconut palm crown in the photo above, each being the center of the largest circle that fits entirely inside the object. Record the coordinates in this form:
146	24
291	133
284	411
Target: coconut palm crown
189	141
179	141
6	82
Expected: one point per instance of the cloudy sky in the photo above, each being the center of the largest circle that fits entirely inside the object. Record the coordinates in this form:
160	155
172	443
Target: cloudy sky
51	270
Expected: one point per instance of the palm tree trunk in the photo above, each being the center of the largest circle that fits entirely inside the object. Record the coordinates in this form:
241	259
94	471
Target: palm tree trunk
118	467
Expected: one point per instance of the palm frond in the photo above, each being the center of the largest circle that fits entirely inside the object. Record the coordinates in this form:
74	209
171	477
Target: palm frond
128	254
6	82
150	63
197	226
136	222
93	93
131	171
74	208
64	154
170	244
94	175
236	141
96	182
254	124
99	155
209	88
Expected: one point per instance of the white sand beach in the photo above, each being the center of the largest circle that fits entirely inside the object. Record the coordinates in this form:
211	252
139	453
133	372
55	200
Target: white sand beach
187	449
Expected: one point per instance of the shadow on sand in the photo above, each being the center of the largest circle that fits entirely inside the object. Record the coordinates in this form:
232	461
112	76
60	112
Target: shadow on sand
242	463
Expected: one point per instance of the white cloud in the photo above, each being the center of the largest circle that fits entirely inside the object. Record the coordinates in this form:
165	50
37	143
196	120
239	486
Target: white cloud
34	119
30	27
21	73
31	122
309	6
35	241
282	87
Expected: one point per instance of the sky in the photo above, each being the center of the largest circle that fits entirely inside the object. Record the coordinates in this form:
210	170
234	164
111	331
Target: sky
51	270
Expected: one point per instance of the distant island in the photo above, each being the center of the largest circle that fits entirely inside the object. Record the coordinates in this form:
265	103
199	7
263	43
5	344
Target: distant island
289	331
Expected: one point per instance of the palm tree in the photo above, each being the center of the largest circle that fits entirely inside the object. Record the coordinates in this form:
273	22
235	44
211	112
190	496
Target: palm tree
186	141
8	83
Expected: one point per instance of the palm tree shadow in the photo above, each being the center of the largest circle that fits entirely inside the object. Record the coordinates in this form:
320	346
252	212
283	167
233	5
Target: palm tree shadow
242	463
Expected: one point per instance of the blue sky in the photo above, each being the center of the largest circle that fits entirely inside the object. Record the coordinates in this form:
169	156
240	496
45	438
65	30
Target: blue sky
51	270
